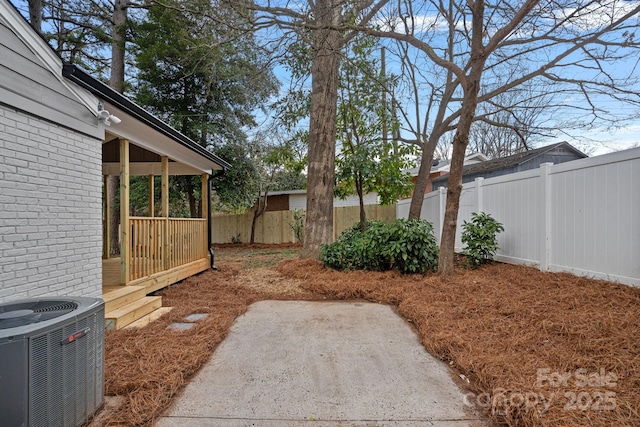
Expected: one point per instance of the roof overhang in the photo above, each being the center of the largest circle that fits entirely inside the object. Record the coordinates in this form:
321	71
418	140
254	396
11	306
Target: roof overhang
144	129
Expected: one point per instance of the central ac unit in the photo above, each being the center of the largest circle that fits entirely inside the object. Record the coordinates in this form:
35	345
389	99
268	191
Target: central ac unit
51	361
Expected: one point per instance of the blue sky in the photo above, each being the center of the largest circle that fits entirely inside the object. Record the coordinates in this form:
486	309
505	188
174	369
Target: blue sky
601	137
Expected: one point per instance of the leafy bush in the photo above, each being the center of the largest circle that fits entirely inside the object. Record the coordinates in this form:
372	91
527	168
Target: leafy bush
355	250
406	245
412	246
480	236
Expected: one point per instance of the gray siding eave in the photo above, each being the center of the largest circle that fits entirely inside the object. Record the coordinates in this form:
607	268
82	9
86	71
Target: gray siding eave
36	109
31	78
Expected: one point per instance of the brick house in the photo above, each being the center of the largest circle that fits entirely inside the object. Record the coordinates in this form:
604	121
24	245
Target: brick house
62	133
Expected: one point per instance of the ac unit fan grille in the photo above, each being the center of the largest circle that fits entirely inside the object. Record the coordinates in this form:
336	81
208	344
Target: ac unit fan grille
22	314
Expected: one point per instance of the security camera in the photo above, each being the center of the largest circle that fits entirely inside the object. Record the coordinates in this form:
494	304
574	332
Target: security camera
103	115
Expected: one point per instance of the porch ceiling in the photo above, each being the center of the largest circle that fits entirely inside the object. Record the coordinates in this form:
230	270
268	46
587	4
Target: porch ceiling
141	160
143	129
142	135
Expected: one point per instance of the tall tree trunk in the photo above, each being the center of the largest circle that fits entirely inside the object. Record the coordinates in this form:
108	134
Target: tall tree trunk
35	15
260	208
116	81
194	212
114	213
118	41
252	239
419	187
322	129
471	87
363	214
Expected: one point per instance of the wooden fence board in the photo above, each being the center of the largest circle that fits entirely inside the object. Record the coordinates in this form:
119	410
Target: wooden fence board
274	227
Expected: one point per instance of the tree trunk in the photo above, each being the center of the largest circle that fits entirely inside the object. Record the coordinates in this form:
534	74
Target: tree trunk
114	213
116	81
419	187
449	225
322	129
252	239
194	212
471	87
260	209
118	41
363	214
35	15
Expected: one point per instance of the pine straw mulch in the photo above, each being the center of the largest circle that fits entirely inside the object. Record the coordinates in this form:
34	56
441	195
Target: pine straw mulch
539	349
511	331
146	367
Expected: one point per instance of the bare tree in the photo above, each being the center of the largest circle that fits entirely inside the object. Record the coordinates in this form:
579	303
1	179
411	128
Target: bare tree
513	122
502	45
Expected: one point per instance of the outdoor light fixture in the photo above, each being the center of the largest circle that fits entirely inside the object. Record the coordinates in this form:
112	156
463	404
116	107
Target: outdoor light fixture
106	117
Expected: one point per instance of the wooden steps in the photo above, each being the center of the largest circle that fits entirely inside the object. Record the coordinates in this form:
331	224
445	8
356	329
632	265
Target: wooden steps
116	296
126	304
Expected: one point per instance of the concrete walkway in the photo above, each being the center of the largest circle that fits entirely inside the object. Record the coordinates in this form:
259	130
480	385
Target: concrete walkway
294	363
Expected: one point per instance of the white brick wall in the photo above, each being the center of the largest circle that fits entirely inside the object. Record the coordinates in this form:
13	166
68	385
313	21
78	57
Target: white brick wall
50	209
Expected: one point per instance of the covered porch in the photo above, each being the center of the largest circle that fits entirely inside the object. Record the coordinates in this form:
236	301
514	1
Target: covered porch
155	247
154	250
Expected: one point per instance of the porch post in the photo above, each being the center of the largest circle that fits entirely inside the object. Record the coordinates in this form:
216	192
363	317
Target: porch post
152	208
106	237
165	211
204	208
125	235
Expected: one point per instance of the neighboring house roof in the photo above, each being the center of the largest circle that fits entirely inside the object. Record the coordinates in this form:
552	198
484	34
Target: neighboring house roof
282	192
519	158
515	161
443	165
296	199
119	105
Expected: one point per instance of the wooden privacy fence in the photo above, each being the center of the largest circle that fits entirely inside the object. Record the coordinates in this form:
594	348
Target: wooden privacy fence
276	227
159	244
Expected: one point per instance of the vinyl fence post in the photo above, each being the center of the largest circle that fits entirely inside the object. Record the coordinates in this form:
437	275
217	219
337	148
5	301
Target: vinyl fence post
479	198
442	198
545	247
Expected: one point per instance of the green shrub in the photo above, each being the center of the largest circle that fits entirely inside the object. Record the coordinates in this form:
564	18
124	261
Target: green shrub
406	245
412	246
355	250
480	236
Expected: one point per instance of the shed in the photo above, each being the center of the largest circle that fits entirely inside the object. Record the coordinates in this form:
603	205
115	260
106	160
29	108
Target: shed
290	200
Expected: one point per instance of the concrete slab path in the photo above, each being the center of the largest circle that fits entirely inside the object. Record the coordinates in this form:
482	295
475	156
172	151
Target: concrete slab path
296	363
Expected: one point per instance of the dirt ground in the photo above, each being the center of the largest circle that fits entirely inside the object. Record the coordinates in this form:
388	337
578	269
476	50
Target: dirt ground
534	349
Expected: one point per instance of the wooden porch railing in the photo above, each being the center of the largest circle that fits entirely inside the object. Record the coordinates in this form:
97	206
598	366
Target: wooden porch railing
159	244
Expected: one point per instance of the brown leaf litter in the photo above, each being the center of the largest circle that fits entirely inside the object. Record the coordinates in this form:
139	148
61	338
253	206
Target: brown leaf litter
538	349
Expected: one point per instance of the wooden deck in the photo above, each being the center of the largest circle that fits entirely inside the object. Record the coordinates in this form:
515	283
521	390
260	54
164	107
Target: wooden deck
130	304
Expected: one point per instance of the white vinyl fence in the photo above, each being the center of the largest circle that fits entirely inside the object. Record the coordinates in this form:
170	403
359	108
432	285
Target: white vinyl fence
581	217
